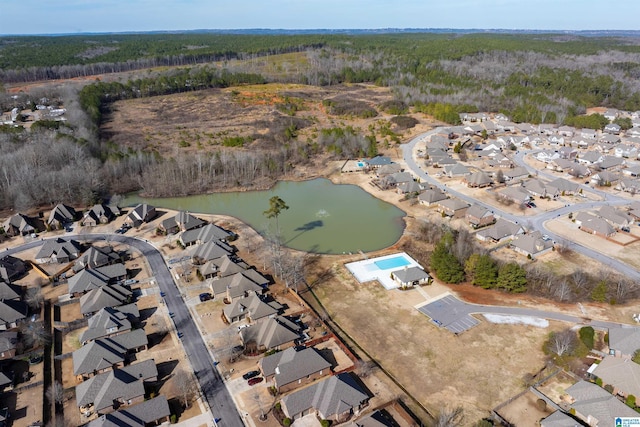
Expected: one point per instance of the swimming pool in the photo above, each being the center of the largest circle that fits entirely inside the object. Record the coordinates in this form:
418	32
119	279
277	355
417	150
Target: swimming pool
360	164
389	263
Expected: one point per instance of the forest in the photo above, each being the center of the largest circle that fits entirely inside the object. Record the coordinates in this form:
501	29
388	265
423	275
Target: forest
531	78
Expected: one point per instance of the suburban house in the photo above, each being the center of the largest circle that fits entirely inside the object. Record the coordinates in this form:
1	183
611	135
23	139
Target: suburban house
625	150
632	171
516	194
154	411
377	162
58	251
253	308
12	313
97	256
538	188
568	153
565	187
430	197
109	391
629	185
19	225
182	221
222	267
546	156
623	342
140	214
516	174
293	368
207	233
596	406
98	214
500	231
271	333
456	170
478	180
409	277
621	373
11	268
61	215
588	133
105	354
566	131
478	216
604	178
615	217
611	163
558	419
239	285
594	225
454	208
336	398
95	278
9	291
531	244
385	170
590	158
108	322
612	128
409	187
106	296
210	250
8	344
393	180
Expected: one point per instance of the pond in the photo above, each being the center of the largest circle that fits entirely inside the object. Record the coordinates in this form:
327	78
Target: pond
322	217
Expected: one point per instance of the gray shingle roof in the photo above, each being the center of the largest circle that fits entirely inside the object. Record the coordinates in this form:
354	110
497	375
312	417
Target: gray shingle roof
594	401
12	311
271	333
96	256
95	278
501	229
9	291
204	234
62	213
332	396
119	384
8	341
254	306
411	274
135	416
622	373
106	352
532	243
183	221
290	365
624	340
106	296
108	321
11	268
211	250
61	248
239	284
559	419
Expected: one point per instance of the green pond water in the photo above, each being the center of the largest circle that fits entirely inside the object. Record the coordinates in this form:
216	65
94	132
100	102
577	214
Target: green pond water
322	217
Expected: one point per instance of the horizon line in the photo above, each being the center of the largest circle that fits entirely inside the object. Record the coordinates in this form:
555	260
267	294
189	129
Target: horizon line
325	30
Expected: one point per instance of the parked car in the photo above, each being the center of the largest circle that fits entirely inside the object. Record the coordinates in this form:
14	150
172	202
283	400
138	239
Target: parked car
254	381
625	229
206	296
251	374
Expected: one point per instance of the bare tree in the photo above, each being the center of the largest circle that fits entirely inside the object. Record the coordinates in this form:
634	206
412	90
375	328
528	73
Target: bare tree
364	368
623	288
562	246
580	279
55	393
34	297
34	334
449	417
563	290
185	384
561	343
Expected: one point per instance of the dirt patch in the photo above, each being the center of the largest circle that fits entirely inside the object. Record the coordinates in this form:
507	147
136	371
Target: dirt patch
525	410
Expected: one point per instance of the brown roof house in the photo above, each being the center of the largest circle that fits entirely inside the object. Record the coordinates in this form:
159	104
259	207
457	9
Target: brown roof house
594	225
293	368
254	307
336	398
140	214
454	208
271	333
532	244
61	215
109	391
411	276
478	216
183	221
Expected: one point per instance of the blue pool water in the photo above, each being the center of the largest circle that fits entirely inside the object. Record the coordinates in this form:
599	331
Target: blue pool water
389	263
360	164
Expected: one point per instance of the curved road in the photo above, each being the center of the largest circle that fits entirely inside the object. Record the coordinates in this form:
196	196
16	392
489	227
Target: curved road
537	221
213	387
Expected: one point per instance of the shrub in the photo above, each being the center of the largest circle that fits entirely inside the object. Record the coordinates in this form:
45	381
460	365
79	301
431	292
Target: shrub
404	122
587	336
599	381
609	388
327	423
173	418
631	401
286	422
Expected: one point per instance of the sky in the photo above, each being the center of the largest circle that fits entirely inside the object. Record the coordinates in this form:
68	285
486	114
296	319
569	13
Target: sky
75	16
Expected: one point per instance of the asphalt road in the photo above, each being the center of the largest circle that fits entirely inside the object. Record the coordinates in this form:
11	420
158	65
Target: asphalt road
213	387
536	221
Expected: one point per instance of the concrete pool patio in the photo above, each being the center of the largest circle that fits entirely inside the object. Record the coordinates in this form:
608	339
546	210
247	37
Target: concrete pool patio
380	268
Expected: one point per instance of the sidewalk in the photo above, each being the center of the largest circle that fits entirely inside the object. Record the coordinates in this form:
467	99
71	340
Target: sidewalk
198	421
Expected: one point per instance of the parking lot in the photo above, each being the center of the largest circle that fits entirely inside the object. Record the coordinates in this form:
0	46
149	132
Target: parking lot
449	313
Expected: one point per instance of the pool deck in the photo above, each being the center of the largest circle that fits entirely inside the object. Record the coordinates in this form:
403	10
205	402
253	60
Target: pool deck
367	270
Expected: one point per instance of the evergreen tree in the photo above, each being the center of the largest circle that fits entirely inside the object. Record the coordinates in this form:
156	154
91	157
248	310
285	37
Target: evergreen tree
512	278
444	263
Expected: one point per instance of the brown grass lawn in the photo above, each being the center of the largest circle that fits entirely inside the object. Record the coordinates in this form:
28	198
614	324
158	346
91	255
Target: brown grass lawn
477	370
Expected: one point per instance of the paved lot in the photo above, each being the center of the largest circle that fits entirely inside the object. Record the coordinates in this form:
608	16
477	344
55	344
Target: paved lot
445	312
